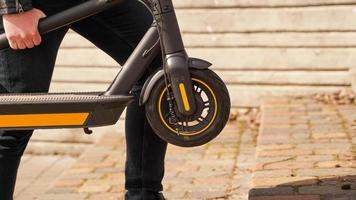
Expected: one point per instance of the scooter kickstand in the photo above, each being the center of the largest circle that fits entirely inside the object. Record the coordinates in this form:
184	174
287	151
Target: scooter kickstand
88	131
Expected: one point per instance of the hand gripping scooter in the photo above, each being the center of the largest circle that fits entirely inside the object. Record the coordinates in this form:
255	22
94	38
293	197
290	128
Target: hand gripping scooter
186	103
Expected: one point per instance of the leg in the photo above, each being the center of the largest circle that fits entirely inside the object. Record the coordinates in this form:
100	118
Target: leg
12	145
145	154
23	71
117	32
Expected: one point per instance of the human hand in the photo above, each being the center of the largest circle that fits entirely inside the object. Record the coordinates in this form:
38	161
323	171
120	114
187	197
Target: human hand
21	29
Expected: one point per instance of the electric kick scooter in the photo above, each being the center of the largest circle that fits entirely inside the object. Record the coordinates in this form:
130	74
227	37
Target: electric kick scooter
186	103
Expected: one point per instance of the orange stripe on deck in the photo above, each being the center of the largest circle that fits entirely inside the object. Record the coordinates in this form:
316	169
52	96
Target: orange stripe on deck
33	120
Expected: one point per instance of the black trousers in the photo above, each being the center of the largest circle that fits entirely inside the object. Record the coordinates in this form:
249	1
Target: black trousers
117	32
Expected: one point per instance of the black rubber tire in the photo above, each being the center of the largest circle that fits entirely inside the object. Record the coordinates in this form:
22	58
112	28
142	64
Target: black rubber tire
222	116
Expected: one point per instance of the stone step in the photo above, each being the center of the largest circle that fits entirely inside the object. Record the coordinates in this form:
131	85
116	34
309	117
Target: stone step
241	95
232	77
231	19
303	19
235	58
262	40
304	151
246	87
353	78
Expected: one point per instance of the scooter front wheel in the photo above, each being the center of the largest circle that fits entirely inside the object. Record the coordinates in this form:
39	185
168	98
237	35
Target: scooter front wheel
212	113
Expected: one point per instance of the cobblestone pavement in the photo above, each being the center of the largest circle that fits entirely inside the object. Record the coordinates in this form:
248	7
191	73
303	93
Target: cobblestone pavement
218	170
36	172
305	151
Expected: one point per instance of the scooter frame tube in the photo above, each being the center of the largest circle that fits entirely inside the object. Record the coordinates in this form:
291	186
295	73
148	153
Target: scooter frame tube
176	59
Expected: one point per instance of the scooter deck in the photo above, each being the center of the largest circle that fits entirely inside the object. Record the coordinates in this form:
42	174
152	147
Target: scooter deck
60	110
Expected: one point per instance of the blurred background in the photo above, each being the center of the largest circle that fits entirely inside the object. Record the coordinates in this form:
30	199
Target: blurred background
260	48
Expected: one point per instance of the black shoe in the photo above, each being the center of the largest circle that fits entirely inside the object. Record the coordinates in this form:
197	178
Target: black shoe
133	195
161	196
149	195
143	195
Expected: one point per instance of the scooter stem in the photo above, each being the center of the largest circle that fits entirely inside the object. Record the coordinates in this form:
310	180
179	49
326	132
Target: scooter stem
176	58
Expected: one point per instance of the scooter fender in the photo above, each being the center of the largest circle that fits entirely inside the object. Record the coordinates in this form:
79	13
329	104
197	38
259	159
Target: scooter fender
194	63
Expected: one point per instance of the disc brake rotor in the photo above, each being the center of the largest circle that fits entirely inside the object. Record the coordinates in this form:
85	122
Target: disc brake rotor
192	124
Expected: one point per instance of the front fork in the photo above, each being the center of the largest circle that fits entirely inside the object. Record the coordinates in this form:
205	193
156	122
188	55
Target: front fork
177	72
175	57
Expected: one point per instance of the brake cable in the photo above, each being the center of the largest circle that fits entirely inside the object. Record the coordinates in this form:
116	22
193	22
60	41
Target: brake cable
173	118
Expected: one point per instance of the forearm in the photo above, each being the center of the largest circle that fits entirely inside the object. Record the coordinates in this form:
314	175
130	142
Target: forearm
14	6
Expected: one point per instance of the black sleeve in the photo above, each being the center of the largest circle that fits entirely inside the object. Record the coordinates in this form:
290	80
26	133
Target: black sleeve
14	6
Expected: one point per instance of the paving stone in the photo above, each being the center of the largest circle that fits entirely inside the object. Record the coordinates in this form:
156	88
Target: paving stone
347	156
98	174
212	180
45	170
117	189
283	181
344	146
62	190
330	151
353	140
207	194
108	170
94	165
289	165
326	172
329	135
63	196
264	160
94	188
287	197
304	135
176	194
275	147
295	160
272	173
314	158
340	140
289	152
79	170
336	164
339	180
273	191
83	176
107	196
69	182
105	181
319	148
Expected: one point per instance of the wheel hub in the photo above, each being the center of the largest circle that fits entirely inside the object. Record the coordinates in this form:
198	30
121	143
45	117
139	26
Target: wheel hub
198	112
